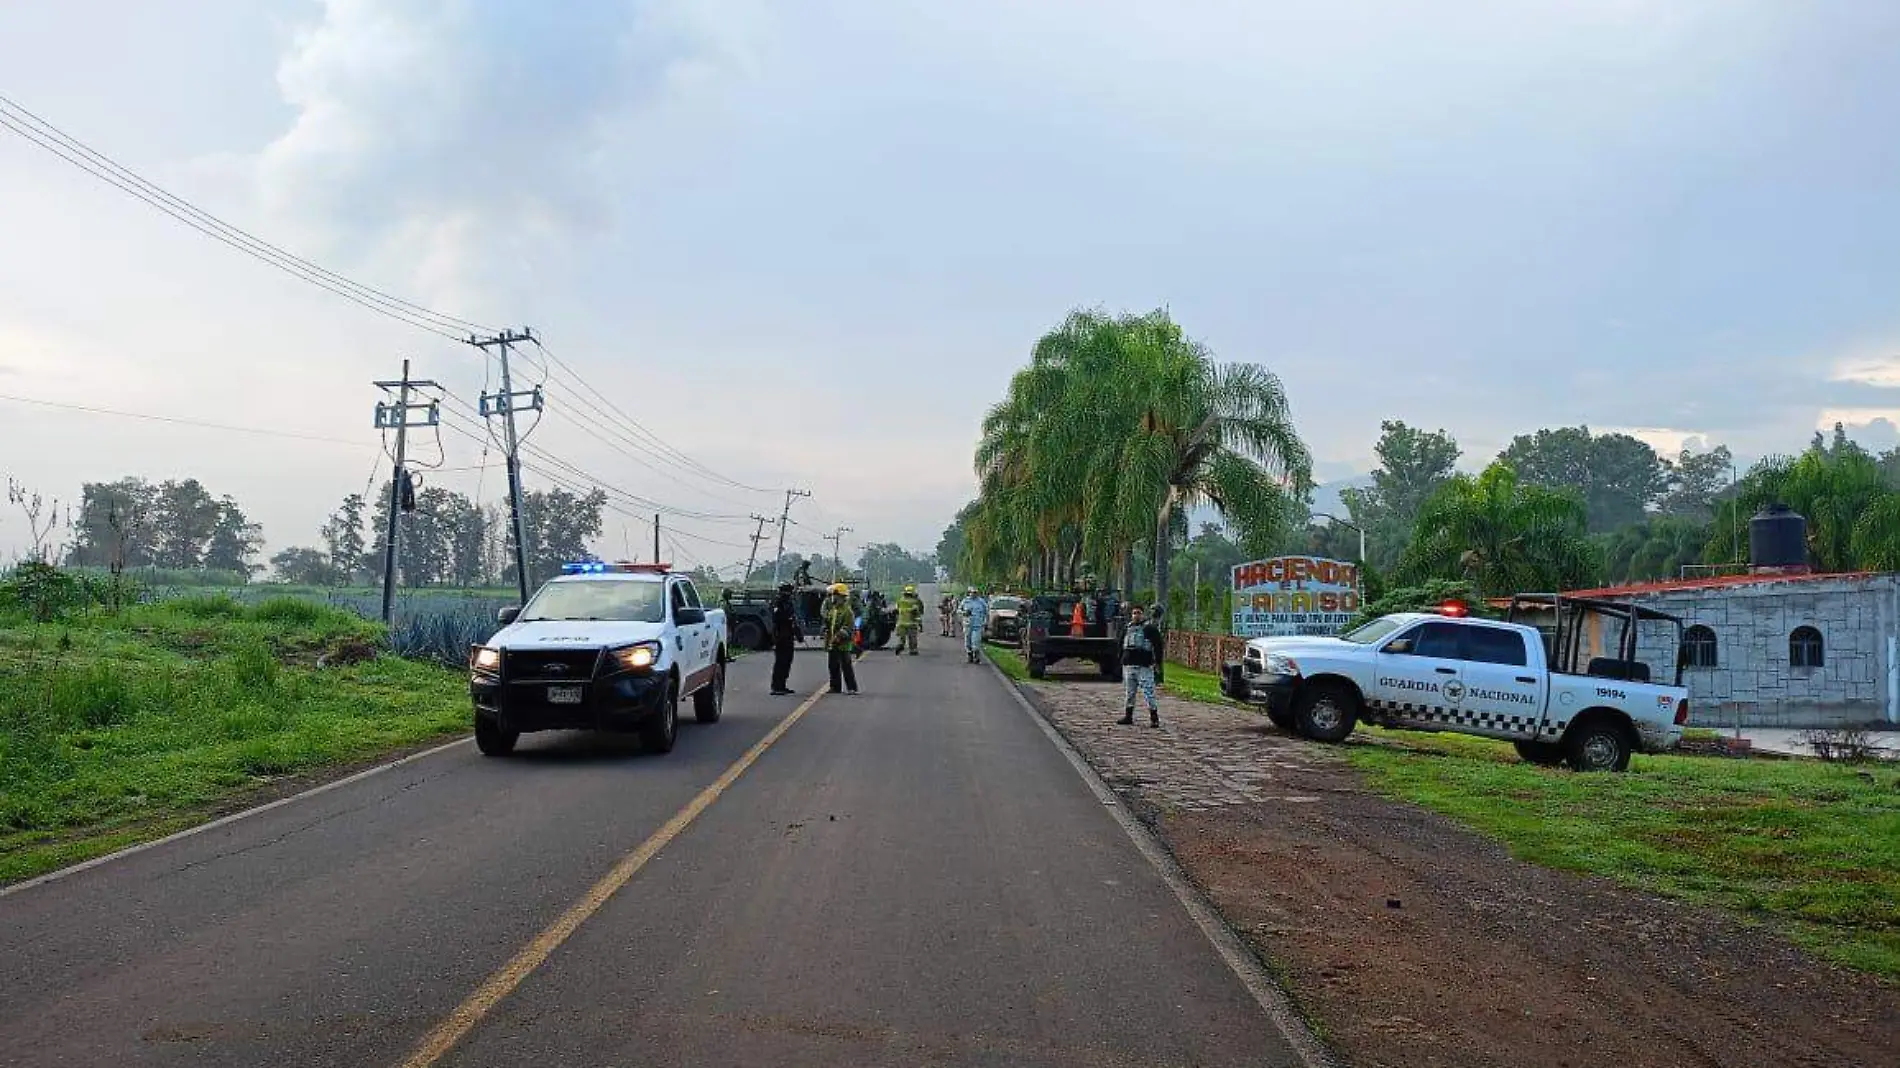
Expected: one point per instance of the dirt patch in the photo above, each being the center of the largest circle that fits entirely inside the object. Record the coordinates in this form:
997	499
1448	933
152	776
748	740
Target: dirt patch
1409	941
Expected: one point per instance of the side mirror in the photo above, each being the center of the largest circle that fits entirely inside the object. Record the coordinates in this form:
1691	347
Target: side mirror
508	614
689	616
1398	646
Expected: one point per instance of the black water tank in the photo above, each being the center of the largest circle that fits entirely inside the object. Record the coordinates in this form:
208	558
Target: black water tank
1777	537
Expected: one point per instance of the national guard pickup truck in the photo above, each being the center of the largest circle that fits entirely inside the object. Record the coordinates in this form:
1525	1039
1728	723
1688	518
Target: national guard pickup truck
1561	678
612	647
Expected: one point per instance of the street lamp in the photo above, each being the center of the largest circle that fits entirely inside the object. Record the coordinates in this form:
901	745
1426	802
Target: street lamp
1350	526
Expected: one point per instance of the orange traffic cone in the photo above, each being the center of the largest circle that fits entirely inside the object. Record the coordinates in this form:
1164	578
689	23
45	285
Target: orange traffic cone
1075	621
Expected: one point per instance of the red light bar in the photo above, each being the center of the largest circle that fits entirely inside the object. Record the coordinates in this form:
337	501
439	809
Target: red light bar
1453	608
642	569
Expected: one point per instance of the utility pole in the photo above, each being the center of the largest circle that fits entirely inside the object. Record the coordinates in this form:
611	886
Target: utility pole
505	402
865	555
757	536
837	536
656	537
396	417
784	518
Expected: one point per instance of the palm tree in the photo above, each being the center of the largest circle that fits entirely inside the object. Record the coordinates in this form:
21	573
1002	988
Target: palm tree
1502	535
1842	493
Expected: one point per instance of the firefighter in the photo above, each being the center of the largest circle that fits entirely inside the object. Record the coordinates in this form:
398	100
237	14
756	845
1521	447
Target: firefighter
910	619
841	626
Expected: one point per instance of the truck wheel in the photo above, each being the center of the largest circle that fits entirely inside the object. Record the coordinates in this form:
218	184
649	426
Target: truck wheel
492	740
710	701
1038	668
1598	744
663	727
1324	713
749	635
1111	669
1284	719
1542	754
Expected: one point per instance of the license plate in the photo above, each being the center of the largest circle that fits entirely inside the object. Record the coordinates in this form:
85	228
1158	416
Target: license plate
564	695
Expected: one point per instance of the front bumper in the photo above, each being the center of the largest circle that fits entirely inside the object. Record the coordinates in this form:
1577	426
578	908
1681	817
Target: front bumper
1273	691
615	703
1004	630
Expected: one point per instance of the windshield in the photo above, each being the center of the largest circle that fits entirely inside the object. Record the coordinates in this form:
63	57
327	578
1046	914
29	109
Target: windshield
1373	631
1007	604
633	602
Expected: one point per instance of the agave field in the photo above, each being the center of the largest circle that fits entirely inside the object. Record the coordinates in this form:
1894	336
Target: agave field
431	624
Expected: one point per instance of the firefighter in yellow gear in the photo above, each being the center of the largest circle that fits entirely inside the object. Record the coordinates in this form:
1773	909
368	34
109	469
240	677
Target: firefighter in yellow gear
910	620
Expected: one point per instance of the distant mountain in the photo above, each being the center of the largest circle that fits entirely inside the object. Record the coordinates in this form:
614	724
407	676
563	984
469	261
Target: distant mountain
1326	495
1325	499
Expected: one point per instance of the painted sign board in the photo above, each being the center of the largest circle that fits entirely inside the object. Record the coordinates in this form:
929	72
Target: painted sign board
1294	595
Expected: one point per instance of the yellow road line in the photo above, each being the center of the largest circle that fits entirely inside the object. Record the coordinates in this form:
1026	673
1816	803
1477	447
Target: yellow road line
511	975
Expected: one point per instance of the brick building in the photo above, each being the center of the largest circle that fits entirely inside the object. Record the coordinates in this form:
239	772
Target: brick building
1782	650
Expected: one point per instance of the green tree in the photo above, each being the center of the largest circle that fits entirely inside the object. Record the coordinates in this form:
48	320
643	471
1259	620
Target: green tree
1413	464
184	516
1502	535
342	537
234	540
1696	481
1618	476
304	566
115	524
1656	548
1840	489
1116	428
955	536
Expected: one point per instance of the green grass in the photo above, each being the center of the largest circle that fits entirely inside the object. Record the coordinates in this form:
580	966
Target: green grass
1810	848
119	728
1009	661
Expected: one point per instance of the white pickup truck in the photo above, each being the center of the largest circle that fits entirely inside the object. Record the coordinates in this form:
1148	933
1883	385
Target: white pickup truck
613	647
1514	680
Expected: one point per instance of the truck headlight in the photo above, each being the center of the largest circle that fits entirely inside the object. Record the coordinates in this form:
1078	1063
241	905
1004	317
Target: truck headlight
484	660
1280	664
638	657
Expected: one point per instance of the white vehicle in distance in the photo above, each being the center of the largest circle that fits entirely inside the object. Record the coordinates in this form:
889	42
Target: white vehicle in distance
1517	680
610	647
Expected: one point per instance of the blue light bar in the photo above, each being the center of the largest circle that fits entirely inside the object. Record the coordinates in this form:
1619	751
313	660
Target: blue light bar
584	567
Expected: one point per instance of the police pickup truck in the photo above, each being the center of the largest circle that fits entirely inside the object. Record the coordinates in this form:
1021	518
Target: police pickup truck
1516	680
612	647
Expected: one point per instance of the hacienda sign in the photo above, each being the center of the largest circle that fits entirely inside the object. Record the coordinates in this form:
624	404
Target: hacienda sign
1294	595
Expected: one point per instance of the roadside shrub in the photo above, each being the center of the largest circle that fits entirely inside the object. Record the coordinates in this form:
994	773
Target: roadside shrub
254	666
93	696
208	606
292	612
43	591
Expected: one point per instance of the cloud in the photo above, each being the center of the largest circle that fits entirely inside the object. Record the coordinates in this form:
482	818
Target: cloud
466	142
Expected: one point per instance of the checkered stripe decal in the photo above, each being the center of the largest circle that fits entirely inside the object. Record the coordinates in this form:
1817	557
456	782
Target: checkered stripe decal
1465	717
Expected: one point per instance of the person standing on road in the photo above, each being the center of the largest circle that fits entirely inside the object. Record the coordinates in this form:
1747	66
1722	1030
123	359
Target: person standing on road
1140	642
784	635
841	625
976	613
910	619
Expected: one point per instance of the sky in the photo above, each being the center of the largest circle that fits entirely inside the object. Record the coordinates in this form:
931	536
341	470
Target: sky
807	244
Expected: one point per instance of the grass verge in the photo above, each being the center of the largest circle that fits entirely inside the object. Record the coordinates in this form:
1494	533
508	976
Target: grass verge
1811	848
119	728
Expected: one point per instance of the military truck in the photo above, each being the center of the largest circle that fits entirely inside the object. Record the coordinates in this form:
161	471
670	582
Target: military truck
1050	634
749	617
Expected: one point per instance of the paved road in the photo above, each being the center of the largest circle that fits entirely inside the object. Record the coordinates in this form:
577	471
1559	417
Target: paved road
911	877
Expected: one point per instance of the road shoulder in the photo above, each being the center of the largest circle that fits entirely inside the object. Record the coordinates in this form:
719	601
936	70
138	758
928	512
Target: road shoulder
1405	939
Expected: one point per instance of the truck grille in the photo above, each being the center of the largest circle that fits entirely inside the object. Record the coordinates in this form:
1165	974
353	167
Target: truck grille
554	664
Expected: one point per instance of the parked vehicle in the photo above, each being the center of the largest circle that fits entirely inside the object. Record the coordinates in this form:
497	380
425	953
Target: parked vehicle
751	615
1052	634
1517	680
1005	625
612	647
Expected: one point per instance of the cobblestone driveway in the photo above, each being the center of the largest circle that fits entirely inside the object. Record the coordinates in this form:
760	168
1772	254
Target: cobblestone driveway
1204	756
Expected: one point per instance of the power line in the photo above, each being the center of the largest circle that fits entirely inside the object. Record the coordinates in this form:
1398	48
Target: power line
45	135
677	455
180	421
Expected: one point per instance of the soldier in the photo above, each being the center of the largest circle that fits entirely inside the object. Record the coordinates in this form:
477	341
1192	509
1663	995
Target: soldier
1141	644
784	635
910	619
840	638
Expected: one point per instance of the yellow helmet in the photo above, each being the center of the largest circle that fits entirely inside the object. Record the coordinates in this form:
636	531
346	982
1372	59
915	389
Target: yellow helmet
910	589
839	587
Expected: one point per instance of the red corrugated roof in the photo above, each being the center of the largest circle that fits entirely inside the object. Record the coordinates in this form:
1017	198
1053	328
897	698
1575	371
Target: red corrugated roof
1715	582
